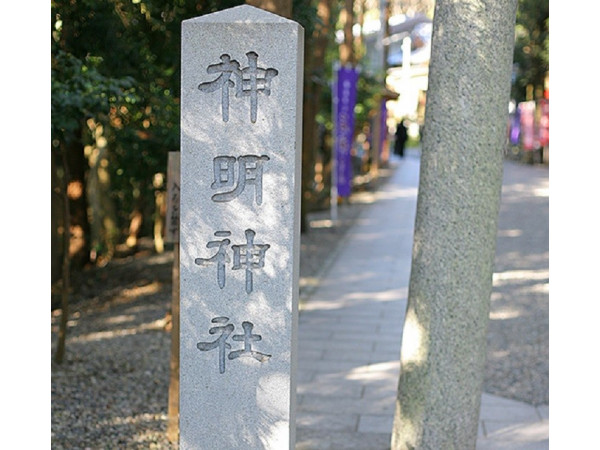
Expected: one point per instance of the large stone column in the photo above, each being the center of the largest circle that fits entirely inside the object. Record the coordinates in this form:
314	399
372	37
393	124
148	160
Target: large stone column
444	337
241	123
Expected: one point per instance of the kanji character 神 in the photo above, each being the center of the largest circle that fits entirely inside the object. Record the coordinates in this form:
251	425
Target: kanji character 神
248	81
249	256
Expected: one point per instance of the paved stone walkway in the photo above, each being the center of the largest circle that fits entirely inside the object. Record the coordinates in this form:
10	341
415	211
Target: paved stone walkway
350	331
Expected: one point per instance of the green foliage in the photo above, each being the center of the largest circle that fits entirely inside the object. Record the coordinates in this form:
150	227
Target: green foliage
369	86
366	99
305	13
80	91
532	40
119	63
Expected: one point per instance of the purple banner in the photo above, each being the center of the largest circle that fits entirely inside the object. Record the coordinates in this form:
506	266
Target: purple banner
384	130
515	127
344	102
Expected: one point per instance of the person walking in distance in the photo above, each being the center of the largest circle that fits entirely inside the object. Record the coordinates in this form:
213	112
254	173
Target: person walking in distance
401	137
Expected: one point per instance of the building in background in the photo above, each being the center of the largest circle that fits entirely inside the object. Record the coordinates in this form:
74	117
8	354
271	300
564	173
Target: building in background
408	43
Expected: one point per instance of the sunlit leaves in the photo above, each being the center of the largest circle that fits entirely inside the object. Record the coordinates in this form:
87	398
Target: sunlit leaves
119	62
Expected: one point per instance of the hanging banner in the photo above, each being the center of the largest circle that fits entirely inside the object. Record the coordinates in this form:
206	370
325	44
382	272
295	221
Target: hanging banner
528	135
544	126
344	101
384	131
515	127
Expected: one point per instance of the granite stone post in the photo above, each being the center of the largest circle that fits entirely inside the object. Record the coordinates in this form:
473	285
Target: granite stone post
444	337
241	91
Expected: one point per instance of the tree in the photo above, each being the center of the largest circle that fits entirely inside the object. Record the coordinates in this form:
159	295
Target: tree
280	7
444	336
139	42
133	41
115	116
78	91
531	56
316	40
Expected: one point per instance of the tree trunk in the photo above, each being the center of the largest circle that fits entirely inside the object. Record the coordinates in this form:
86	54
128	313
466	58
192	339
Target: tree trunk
76	165
56	219
445	331
103	224
359	45
135	225
347	55
380	132
280	7
66	266
314	69
308	148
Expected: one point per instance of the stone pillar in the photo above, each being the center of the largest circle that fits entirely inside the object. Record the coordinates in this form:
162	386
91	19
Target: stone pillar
444	337
242	76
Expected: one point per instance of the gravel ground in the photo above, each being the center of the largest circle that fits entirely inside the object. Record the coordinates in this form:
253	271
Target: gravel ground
518	333
112	390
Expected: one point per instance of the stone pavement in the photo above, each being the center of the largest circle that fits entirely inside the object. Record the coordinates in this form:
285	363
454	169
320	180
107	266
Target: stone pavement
350	331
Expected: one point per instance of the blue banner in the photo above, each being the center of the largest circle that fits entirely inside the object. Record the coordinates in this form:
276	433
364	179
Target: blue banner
344	102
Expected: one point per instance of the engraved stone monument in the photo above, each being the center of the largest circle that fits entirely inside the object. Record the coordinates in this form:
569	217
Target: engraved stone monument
241	93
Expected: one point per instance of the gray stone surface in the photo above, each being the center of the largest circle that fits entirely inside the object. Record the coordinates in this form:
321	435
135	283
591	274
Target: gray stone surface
115	378
443	350
241	95
518	332
360	302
